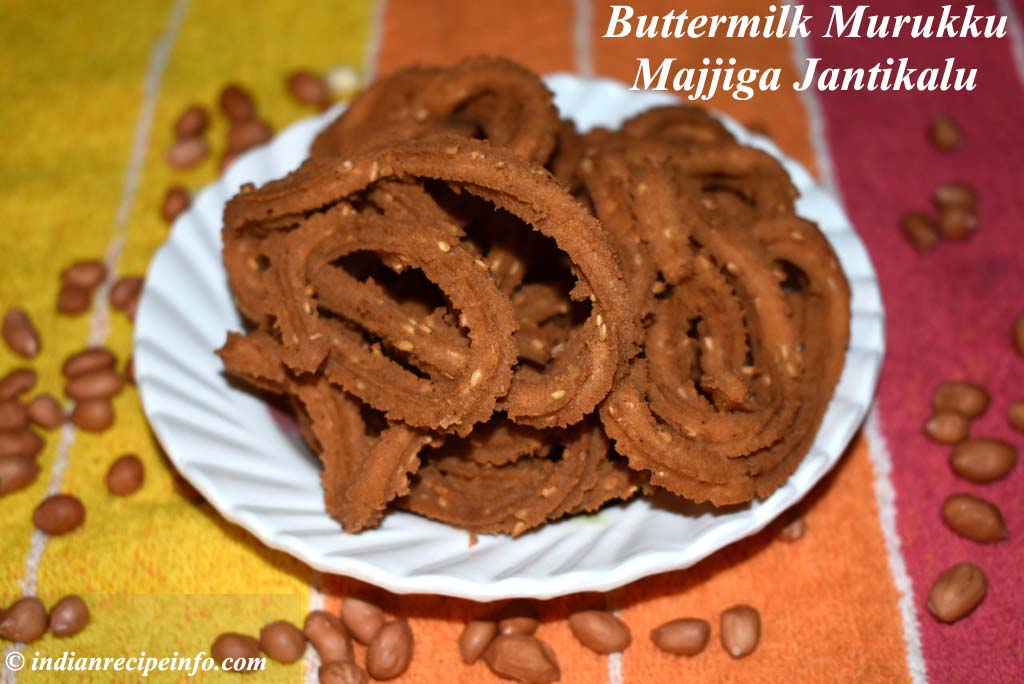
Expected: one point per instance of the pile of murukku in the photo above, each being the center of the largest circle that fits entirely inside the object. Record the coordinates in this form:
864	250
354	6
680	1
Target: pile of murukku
483	316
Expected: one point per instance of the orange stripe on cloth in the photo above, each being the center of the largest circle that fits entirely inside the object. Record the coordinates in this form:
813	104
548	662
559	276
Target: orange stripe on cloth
536	33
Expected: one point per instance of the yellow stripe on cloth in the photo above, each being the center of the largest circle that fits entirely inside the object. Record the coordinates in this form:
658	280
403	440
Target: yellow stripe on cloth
161	574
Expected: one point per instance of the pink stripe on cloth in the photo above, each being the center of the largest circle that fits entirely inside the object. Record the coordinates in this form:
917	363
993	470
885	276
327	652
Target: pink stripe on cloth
948	312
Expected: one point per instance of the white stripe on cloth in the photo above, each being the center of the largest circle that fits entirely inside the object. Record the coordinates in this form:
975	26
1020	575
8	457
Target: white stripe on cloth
885	495
582	37
1016	31
374	38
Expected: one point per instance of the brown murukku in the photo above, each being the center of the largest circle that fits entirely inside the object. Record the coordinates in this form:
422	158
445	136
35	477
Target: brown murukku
564	163
485	97
511	498
382	109
677	124
364	469
718	404
544	316
481	315
561	393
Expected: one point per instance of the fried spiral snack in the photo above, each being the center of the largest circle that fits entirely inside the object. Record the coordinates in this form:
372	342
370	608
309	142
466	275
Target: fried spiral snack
490	98
559	395
363	472
726	398
481	315
457	487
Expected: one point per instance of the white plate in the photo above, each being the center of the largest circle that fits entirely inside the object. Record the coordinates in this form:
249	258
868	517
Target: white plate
251	466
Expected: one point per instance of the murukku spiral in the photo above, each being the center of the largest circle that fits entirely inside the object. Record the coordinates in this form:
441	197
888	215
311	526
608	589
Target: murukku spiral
482	315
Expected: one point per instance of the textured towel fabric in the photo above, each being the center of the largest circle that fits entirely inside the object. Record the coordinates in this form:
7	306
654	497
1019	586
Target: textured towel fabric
950	313
85	91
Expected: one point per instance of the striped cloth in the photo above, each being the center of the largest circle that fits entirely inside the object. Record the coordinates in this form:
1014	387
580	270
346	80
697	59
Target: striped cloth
89	100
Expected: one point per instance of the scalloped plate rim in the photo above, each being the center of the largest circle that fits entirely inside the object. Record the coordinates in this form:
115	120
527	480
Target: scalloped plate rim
636	566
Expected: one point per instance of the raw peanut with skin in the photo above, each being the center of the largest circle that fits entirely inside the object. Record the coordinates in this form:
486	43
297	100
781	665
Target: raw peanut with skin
86	274
475	638
328	637
72	301
59	514
342	672
45	411
518	617
187	153
362	619
983	459
523	658
518	625
17	471
685	636
88	360
20	442
16	383
957	223
1018	334
24	621
920	231
973	517
282	641
239	647
793	530
176	200
740	630
98	384
955	195
129	370
133	307
93	415
13	415
1015	416
390	652
947	427
125	475
192	122
69	616
245	135
308	88
126	290
600	631
944	134
957	592
20	334
236	103
966	398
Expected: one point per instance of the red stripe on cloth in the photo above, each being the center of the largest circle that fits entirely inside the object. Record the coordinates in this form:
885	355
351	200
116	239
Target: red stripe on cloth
949	312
